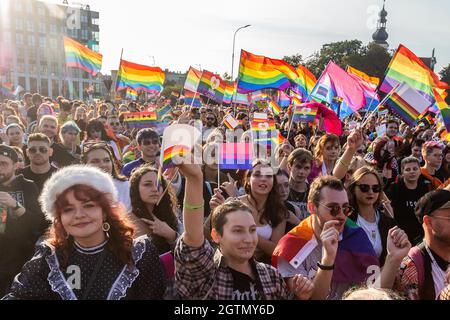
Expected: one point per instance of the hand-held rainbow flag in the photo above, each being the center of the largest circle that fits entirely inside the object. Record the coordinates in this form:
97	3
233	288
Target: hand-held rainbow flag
212	86
192	79
131	94
192	99
259	72
407	103
140	119
274	107
263	133
229	92
305	112
230	122
140	77
163	111
79	56
235	156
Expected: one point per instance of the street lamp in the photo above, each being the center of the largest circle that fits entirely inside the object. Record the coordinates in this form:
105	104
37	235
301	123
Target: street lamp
232	56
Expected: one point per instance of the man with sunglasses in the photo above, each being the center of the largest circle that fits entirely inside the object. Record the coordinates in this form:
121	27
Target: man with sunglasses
332	250
114	123
425	272
39	153
209	125
150	147
21	216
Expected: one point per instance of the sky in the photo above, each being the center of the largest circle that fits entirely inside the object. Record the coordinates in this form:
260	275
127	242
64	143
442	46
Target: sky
175	34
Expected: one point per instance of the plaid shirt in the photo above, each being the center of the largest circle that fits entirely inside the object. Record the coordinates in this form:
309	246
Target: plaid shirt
202	274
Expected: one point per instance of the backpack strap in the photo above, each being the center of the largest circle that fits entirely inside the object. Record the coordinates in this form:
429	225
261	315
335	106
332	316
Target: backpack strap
416	256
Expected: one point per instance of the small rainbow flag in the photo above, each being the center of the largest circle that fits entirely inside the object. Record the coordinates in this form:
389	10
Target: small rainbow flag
236	156
305	82
171	152
274	107
191	98
163	111
192	79
212	86
258	96
444	109
407	103
140	119
140	77
131	94
305	112
283	99
79	56
230	122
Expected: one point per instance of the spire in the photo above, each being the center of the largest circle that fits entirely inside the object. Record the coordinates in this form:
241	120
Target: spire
380	36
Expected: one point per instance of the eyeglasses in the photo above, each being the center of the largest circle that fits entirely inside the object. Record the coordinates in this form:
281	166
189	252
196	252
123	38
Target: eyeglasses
147	142
365	188
34	150
212	119
95	145
335	209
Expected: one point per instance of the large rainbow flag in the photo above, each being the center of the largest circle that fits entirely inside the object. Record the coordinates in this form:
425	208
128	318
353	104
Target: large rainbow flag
192	79
229	92
79	56
305	82
140	77
354	255
212	86
406	67
192	99
406	103
259	72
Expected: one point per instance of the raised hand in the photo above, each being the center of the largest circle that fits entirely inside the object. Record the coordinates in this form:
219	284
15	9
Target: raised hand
217	199
398	244
330	239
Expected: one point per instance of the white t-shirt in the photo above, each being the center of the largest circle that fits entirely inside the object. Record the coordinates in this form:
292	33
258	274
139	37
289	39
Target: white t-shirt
371	229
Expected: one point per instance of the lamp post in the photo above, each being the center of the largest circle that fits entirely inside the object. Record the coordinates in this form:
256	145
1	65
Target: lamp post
232	56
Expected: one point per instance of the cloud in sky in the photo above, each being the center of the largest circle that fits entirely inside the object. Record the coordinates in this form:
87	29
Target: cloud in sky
183	33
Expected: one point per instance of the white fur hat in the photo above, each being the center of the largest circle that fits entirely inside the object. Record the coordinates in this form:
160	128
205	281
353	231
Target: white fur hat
70	176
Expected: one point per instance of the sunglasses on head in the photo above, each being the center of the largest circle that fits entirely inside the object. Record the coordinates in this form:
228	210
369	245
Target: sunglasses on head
365	188
34	150
147	142
335	209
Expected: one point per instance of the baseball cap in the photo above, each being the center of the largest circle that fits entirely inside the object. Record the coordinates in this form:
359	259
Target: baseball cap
432	201
9	152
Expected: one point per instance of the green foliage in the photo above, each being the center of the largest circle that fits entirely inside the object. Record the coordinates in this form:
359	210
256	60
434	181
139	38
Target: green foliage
294	60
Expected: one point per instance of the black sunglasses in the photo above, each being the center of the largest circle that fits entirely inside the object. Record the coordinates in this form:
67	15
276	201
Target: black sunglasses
365	188
34	150
335	209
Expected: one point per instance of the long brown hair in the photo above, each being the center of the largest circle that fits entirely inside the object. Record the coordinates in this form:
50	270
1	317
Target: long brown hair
121	231
166	209
275	210
356	177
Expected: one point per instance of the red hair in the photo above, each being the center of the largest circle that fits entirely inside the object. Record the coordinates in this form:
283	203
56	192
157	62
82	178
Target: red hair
120	234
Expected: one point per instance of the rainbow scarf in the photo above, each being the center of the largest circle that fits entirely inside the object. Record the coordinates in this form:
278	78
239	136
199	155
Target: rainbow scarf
355	252
79	56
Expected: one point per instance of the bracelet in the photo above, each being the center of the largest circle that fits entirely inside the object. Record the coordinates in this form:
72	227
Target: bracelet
325	268
193	207
346	165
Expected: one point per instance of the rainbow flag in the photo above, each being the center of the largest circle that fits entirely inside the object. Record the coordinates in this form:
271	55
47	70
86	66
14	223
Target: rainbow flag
258	96
305	112
406	103
230	89
131	94
406	67
259	72
355	253
79	56
374	81
305	82
230	122
140	77
212	86
274	107
192	79
444	109
236	156
191	98
264	133
140	119
171	152
163	111
283	99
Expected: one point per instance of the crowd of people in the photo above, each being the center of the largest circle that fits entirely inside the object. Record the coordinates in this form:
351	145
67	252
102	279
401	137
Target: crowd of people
86	214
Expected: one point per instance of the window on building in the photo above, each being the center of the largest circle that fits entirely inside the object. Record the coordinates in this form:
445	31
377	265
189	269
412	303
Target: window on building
84	18
42	41
31	40
18	6
19	24
19	39
43	69
52	43
29	7
42	28
32	68
20	66
41	10
7	39
95	21
30	25
96	36
84	34
53	28
55	68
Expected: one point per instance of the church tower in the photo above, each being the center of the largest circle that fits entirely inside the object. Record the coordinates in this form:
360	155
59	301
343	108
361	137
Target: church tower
380	36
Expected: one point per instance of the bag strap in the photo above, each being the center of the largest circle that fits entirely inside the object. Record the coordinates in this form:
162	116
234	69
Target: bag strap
94	274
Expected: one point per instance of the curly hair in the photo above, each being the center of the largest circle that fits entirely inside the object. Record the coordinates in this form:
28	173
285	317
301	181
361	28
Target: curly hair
121	232
320	146
164	211
275	210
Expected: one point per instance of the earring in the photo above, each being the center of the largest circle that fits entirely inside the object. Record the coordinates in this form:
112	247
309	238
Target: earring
106	226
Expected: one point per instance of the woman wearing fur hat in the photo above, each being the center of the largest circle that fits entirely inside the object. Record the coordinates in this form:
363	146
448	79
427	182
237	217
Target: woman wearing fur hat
89	253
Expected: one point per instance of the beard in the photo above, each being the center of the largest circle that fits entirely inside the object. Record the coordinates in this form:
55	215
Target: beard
5	177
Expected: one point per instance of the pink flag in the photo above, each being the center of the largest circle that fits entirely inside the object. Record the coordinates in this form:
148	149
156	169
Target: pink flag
331	121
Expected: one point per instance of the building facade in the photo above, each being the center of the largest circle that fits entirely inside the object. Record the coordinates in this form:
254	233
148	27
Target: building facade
32	48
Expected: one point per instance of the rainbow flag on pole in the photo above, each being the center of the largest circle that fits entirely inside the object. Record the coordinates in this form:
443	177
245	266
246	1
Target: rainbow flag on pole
131	94
229	92
171	152
305	112
79	56
283	99
140	119
444	109
192	79
305	82
259	72
212	86
236	156
140	77
274	107
192	98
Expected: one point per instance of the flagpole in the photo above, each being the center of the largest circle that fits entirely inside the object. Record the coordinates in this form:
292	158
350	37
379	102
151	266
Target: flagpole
118	71
381	103
168	185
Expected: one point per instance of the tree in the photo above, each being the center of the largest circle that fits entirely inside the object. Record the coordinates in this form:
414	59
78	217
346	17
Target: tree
294	60
445	76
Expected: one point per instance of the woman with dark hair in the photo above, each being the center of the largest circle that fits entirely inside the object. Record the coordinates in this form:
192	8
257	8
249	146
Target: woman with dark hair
293	212
89	253
366	196
95	132
159	220
268	210
444	170
99	155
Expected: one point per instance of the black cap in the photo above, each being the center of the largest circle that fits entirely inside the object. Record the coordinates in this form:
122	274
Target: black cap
9	152
432	201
